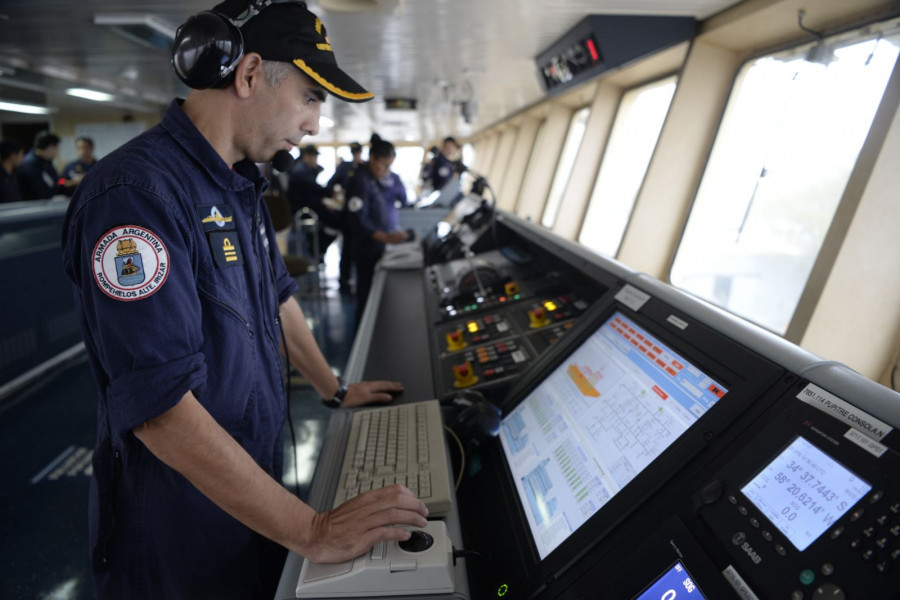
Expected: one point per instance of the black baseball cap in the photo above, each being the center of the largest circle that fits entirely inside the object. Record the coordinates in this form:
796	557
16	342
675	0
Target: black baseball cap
289	32
355	147
309	149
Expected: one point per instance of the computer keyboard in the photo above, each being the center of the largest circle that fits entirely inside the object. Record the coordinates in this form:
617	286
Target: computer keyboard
397	444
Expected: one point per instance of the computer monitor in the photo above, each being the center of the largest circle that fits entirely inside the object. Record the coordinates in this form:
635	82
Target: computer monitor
596	422
624	404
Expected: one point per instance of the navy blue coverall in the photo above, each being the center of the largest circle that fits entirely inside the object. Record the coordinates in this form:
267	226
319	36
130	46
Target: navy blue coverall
178	282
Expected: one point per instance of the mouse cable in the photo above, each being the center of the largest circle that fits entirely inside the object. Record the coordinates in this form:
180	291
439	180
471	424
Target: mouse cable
462	456
470	554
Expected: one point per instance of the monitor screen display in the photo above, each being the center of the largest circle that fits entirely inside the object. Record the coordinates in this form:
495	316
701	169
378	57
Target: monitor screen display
596	422
803	491
674	583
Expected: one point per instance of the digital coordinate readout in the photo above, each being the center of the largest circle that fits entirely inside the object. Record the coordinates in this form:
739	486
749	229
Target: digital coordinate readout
804	491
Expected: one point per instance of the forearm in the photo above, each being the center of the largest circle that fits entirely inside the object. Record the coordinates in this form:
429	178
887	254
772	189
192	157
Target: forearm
190	441
304	351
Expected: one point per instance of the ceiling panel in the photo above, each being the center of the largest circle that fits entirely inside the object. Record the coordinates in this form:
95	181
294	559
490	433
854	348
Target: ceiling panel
440	52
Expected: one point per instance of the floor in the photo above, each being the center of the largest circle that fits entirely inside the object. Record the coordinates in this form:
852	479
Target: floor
46	441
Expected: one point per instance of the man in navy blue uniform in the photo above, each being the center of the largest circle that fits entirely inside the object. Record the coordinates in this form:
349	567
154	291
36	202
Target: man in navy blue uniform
444	166
10	159
336	188
75	170
183	298
37	175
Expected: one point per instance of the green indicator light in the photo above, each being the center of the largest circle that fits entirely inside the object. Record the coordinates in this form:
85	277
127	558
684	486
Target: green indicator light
502	590
517	296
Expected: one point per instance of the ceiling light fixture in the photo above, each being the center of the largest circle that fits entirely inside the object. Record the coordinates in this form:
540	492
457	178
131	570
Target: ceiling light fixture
90	94
28	109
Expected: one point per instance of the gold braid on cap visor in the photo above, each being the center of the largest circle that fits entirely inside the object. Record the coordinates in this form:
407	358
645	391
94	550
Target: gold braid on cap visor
329	86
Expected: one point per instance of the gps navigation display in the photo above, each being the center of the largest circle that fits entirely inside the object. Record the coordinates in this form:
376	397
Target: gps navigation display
804	491
596	422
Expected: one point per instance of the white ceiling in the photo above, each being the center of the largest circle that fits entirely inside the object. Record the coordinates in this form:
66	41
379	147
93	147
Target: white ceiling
439	52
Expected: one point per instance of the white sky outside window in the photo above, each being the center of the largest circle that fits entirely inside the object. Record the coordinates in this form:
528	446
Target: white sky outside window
565	165
408	165
789	139
632	140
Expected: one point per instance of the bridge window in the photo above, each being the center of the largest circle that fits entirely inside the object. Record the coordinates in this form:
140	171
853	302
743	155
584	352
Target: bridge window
565	165
790	136
631	143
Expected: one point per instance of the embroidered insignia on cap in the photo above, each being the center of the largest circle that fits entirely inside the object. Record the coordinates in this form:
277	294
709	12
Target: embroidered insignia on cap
355	204
130	263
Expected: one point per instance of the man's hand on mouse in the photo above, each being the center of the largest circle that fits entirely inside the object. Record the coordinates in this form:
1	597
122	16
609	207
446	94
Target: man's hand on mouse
358	524
371	392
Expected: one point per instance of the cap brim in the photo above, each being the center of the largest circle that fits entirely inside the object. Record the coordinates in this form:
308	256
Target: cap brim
335	81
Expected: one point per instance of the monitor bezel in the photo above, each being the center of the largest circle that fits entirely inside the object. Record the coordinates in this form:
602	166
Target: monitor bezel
746	375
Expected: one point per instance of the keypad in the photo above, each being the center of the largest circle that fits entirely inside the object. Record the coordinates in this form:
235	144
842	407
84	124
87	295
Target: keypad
873	532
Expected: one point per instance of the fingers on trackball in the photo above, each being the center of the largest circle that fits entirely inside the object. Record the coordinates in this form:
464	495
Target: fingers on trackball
418	541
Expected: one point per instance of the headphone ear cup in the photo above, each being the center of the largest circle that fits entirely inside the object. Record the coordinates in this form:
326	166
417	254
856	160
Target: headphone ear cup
207	48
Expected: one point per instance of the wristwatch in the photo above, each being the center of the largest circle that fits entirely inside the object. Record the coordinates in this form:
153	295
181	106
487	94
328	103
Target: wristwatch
335	401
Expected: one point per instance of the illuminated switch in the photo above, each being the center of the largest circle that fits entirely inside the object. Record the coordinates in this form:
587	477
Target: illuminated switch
538	317
456	340
464	375
512	288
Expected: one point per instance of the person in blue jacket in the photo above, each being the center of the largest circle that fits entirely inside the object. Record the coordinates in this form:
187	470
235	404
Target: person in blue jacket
186	307
372	216
445	165
336	188
75	170
37	175
10	158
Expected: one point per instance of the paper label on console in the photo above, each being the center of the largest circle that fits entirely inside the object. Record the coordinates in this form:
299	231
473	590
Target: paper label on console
632	297
737	582
844	411
865	442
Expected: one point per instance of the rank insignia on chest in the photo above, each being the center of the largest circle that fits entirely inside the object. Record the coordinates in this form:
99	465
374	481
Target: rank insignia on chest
216	217
226	249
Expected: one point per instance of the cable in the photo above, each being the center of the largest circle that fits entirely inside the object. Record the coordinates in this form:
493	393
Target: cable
290	418
470	553
462	456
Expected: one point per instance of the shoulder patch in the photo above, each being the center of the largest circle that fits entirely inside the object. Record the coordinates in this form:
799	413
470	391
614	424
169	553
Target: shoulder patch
130	263
355	204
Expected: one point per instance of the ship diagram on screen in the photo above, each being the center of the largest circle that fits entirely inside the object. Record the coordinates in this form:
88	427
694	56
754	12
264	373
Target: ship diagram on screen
596	422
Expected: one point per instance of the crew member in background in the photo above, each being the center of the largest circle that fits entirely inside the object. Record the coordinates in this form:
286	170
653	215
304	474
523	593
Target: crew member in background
336	188
10	158
187	310
372	217
394	190
75	170
444	166
305	192
344	171
37	175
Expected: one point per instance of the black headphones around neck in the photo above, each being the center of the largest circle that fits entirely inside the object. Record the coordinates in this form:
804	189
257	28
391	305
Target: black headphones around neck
209	45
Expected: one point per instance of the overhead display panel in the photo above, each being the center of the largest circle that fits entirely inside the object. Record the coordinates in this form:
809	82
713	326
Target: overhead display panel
599	43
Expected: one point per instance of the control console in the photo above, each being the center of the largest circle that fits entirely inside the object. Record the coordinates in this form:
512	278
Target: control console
811	506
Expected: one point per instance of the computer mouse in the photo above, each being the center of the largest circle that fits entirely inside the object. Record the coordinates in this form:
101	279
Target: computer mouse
418	541
475	419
